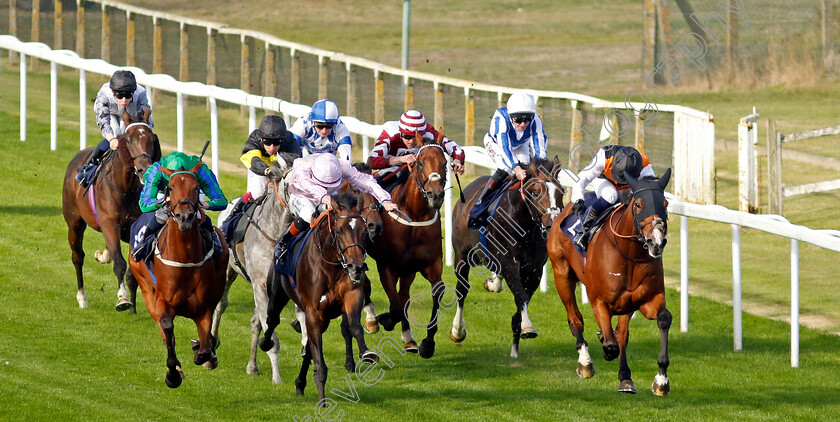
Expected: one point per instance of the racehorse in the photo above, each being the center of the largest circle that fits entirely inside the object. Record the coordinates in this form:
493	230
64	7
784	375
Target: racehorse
253	257
111	204
186	281
516	236
622	274
329	276
411	243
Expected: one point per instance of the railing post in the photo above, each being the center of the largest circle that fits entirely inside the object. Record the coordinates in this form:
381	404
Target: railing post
211	60
794	303
36	32
58	25
616	131
13	30
179	120
737	327
80	28
408	100
294	77
106	35
22	97
270	85
323	76
130	39
683	274
82	109
774	168
352	103
469	125
576	137
439	119
214	134
378	98
157	53
244	68
53	106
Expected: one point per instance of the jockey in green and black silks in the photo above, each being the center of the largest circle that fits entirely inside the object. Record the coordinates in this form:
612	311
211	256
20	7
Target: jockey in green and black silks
156	212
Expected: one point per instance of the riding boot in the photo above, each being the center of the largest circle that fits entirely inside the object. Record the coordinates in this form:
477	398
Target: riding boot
211	237
92	160
479	219
283	243
239	207
582	236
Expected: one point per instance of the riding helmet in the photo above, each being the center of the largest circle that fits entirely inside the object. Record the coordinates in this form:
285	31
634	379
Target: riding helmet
272	127
324	111
412	121
123	81
626	159
521	103
327	170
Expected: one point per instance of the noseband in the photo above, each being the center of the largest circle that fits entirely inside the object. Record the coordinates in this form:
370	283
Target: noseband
342	259
538	218
638	235
142	155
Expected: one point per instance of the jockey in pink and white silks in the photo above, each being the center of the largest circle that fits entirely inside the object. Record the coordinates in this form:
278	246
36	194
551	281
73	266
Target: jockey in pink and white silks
313	180
516	134
323	131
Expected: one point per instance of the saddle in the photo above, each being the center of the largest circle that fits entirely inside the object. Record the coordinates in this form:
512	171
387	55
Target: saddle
89	172
482	214
572	223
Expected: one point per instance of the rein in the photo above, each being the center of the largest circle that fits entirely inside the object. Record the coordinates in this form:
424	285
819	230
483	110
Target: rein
407	220
316	224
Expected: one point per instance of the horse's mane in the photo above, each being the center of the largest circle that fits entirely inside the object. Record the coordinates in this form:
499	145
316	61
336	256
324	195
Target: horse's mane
279	167
362	167
346	199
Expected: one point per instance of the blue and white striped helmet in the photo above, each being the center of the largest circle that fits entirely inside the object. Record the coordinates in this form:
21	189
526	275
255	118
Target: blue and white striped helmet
324	111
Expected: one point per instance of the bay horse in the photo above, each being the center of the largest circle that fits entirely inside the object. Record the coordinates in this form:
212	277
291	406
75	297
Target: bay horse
515	242
329	277
111	204
622	273
254	256
411	243
186	281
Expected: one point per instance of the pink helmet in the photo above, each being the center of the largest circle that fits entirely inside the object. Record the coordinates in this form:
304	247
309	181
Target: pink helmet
412	121
326	170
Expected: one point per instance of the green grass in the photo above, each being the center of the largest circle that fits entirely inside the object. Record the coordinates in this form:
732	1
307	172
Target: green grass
96	364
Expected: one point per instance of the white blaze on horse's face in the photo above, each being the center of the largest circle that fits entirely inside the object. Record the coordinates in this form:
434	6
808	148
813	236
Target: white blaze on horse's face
434	177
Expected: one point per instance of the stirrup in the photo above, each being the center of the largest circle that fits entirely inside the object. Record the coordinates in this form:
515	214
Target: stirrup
578	240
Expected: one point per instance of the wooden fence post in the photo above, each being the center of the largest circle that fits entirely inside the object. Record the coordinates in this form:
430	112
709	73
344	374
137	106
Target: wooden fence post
439	119
211	60
13	55
378	98
36	33
575	137
640	132
469	124
58	25
157	54
649	39
294	76
323	76
80	28
106	35
352	102
774	168
244	69
270	85
408	100
130	40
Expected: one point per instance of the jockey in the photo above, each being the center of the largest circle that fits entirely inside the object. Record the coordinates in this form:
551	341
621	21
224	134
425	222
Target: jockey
606	172
516	134
156	213
311	183
120	94
261	151
323	131
396	145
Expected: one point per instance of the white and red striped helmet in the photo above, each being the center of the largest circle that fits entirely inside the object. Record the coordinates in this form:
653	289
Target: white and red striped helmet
412	121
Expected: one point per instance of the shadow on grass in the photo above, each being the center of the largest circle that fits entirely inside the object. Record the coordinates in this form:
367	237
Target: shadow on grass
31	210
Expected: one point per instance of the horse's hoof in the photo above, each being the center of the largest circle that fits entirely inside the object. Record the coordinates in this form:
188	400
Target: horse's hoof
586	371
211	364
173	379
371	326
370	356
386	321
627	386
300	385
103	257
427	348
350	366
661	386
201	358
456	339
611	352
195	344
600	336
124	305
266	344
528	332
411	347
296	325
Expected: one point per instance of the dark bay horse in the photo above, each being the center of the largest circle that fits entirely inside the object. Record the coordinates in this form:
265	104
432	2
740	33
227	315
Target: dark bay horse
515	240
329	276
187	281
253	257
622	274
115	194
411	243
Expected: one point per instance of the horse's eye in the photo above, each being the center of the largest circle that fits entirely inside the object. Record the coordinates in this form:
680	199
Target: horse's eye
637	206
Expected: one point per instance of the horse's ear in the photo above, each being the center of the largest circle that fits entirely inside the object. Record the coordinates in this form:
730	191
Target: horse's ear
439	138
146	114
666	177
556	160
126	118
197	167
167	171
632	181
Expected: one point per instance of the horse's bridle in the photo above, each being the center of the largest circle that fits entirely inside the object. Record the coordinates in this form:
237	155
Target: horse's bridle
531	207
433	177
342	259
193	205
141	155
638	226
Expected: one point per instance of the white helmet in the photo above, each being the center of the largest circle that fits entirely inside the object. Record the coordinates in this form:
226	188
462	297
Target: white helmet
520	103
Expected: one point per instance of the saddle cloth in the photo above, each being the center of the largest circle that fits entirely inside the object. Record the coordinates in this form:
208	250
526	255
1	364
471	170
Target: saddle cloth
288	264
572	223
483	213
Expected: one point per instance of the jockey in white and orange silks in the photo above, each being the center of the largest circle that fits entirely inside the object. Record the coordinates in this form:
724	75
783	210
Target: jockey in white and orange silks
313	180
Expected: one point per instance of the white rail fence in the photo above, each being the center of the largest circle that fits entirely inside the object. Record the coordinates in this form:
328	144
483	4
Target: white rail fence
828	239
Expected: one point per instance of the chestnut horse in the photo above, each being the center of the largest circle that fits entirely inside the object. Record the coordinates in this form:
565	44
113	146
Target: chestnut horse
622	274
116	193
411	243
329	277
516	236
186	281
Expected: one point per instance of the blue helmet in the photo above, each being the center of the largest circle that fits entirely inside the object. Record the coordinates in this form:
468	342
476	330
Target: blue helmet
324	111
